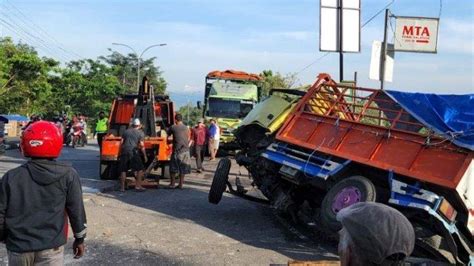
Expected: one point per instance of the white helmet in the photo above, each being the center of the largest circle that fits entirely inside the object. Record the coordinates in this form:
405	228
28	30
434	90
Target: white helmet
136	122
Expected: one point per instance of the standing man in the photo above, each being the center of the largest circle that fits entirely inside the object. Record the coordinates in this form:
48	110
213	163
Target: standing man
131	151
199	140
180	158
36	200
101	128
214	137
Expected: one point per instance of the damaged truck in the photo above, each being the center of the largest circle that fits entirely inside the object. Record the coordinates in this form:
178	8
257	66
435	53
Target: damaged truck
313	153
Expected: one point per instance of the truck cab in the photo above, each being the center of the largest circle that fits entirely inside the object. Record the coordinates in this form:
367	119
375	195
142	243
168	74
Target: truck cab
229	96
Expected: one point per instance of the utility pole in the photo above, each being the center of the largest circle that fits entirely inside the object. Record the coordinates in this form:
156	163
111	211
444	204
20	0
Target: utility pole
139	58
341	51
384	50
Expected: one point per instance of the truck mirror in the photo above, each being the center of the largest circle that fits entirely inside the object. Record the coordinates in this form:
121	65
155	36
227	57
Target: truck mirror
199	105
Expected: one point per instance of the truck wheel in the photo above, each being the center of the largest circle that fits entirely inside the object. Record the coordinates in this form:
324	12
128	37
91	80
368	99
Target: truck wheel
108	171
345	193
220	180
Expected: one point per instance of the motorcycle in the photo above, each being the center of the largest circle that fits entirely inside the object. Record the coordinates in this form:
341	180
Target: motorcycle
77	135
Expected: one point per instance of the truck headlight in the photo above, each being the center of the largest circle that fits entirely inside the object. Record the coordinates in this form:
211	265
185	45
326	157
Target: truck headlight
447	210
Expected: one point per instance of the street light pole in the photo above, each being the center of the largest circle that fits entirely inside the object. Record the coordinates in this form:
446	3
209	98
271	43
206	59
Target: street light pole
139	58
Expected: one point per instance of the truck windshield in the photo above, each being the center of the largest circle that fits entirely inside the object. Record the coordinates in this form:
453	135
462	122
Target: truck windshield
228	108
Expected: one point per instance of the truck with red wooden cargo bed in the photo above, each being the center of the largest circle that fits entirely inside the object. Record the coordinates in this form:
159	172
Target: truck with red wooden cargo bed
338	145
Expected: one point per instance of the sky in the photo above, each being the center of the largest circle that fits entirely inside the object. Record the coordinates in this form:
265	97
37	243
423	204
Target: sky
248	35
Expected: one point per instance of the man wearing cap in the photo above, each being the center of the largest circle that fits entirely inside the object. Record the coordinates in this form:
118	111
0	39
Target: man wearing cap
199	140
374	234
131	151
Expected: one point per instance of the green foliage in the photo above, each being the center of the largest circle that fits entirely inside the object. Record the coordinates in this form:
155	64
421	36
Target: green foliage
124	68
30	84
190	114
276	81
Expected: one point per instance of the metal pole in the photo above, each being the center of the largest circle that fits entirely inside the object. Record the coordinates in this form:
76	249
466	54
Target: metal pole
384	50
139	57
341	52
138	75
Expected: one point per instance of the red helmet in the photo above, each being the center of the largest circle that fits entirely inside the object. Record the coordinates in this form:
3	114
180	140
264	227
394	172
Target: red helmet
41	139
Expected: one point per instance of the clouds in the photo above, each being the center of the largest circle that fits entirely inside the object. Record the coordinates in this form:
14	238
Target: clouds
282	35
456	36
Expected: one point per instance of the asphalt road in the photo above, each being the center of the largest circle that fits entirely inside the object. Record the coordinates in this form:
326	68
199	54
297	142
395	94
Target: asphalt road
165	226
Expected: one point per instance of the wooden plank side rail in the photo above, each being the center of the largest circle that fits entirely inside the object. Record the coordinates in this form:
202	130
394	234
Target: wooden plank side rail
360	137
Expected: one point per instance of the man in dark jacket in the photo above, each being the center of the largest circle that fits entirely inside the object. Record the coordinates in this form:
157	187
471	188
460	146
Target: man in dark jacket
36	200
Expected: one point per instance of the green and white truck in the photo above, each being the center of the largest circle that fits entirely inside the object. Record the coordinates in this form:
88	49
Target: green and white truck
229	96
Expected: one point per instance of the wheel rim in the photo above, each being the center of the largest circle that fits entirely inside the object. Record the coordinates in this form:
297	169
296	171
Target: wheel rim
345	198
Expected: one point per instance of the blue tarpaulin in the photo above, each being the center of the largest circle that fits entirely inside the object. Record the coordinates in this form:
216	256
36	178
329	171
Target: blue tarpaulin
451	116
19	118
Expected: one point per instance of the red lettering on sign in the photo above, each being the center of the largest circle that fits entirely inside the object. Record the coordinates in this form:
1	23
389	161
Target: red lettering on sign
407	30
425	32
416	30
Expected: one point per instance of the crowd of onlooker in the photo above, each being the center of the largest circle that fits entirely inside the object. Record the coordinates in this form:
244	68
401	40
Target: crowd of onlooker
204	138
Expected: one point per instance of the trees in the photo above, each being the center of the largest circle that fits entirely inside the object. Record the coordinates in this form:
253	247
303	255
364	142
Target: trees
24	76
276	81
124	68
191	114
30	84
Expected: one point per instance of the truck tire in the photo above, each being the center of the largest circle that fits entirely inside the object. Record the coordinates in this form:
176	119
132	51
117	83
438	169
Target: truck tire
346	192
108	171
221	176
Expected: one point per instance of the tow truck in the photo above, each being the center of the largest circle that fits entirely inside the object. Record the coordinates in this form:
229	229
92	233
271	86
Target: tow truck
156	113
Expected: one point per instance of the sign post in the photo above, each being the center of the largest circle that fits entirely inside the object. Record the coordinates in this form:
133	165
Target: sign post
412	34
384	49
339	28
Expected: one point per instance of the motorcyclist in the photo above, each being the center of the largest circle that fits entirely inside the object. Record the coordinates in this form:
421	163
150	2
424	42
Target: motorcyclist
82	121
77	133
37	199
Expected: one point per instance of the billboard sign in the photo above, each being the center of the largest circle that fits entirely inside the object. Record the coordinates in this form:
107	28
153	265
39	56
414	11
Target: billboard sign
330	18
376	62
416	34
